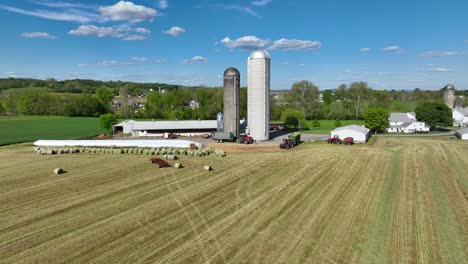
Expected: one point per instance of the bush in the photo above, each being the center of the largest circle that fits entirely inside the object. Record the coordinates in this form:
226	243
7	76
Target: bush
107	121
337	123
316	124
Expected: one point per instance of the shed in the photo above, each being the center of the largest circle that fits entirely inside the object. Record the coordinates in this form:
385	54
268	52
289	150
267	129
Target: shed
462	133
360	134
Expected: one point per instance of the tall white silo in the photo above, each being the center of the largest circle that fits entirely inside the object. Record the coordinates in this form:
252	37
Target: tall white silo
258	95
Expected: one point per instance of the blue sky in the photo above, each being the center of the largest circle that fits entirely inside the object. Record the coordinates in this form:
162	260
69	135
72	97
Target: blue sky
390	44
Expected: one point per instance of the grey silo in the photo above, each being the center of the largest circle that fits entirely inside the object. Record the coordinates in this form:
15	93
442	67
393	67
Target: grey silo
232	101
449	95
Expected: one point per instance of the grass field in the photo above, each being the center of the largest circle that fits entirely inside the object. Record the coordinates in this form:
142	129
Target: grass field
401	200
328	125
30	128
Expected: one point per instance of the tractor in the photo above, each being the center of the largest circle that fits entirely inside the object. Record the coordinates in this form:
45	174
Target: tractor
287	143
245	139
334	140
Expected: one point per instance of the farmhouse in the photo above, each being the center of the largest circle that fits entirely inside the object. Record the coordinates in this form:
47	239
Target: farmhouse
158	128
462	133
406	122
460	116
360	134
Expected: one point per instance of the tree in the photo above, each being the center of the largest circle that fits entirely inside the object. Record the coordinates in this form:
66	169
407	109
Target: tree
289	117
434	114
105	95
303	95
2	110
376	119
107	121
358	93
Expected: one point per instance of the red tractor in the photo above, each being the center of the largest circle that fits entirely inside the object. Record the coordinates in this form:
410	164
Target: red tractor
287	143
245	139
334	140
348	141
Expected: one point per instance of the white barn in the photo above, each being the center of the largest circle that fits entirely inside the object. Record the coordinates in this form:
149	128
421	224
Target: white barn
158	128
406	122
460	117
360	134
462	133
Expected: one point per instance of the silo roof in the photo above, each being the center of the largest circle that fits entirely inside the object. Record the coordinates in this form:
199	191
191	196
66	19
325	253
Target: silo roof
231	71
259	54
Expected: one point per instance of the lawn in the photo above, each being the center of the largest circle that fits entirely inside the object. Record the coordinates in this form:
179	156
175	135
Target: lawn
401	200
30	128
328	125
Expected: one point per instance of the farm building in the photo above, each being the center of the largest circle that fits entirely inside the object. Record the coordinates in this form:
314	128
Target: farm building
406	122
360	134
462	133
460	116
158	128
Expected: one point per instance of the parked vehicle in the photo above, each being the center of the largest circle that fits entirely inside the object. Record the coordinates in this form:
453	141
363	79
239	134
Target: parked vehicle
334	140
348	141
221	137
291	141
169	136
245	139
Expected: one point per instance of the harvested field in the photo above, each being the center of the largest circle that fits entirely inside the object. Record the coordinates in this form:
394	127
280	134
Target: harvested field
402	200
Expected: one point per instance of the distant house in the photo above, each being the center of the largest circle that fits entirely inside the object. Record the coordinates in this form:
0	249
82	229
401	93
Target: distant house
194	105
460	116
360	134
406	122
462	133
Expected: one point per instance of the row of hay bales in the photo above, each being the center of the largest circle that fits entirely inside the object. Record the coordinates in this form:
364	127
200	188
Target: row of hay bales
168	153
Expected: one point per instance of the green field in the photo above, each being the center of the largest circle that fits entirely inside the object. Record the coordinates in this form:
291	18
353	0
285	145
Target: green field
328	125
30	128
401	200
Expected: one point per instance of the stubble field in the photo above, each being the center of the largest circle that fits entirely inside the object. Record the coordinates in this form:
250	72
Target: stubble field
402	200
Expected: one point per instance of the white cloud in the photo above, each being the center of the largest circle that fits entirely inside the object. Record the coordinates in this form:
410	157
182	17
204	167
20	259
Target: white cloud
101	32
72	15
139	59
295	44
261	2
160	61
441	70
365	50
38	35
431	54
63	4
128	11
134	38
397	49
108	63
174	31
199	59
123	32
163	4
243	9
245	43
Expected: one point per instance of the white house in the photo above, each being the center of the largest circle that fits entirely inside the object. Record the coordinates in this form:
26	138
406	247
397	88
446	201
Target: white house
360	134
462	133
406	122
460	117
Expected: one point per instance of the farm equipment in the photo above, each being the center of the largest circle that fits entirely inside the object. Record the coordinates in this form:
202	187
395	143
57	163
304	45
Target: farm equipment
334	140
245	139
291	141
169	136
220	137
348	141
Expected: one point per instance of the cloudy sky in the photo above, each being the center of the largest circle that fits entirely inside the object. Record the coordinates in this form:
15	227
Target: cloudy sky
396	44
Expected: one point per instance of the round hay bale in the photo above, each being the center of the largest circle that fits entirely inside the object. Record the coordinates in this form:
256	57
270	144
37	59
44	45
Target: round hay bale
37	149
59	171
207	168
140	151
178	165
176	152
170	151
42	152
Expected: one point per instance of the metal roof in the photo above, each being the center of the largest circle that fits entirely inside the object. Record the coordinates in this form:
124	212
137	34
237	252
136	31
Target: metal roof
400	117
172	125
463	111
259	54
231	71
463	131
402	125
357	128
449	87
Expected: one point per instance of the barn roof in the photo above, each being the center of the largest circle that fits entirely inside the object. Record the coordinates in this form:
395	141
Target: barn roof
357	128
463	131
401	117
173	125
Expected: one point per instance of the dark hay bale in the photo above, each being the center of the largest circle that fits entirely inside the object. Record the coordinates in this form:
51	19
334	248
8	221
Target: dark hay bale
160	163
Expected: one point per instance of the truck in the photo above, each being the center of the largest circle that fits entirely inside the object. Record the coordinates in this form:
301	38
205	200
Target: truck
221	137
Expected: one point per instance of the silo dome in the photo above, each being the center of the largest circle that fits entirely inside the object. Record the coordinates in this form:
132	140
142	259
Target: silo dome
449	87
259	54
231	71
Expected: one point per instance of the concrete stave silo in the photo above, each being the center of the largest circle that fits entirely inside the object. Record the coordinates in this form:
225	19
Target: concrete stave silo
449	95
258	95
232	101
